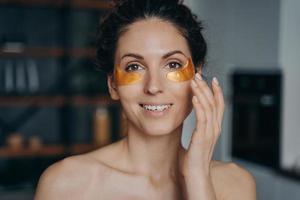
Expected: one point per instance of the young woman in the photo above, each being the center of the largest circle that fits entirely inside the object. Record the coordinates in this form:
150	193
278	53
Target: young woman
153	52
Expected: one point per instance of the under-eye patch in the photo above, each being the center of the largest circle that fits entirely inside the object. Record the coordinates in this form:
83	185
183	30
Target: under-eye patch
125	78
184	73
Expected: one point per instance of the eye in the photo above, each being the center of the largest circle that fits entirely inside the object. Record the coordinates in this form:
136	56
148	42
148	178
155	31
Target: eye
133	67
174	65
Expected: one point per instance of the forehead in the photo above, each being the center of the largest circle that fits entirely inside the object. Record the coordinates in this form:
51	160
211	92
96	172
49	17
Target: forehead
151	37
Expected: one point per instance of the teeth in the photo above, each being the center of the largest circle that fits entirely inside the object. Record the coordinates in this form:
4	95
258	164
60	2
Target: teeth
156	108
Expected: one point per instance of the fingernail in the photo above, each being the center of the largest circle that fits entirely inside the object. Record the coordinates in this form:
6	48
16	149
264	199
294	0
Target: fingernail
195	99
216	80
198	76
194	83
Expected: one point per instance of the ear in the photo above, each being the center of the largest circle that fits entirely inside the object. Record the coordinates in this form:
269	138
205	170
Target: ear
112	88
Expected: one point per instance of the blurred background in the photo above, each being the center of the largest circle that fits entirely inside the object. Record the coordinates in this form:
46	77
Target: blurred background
254	49
54	102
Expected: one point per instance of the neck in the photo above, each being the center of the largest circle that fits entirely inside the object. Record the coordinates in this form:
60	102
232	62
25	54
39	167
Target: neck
155	157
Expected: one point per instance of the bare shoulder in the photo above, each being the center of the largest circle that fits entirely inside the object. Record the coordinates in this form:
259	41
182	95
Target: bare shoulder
72	176
232	181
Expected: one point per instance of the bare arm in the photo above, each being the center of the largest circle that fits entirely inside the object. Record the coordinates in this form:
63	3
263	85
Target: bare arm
47	186
197	187
195	163
62	180
241	184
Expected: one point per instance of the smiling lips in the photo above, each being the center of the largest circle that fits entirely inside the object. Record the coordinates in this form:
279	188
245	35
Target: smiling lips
156	108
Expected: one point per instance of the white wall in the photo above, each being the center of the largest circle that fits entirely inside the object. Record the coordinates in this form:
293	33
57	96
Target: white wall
290	63
239	33
257	33
210	13
253	34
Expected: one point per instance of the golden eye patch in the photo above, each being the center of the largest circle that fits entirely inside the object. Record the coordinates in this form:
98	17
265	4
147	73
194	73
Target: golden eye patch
125	78
185	73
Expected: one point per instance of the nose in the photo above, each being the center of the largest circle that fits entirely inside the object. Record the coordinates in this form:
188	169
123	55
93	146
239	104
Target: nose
153	83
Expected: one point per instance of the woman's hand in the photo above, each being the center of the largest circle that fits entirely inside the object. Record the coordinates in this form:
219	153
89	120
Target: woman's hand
196	160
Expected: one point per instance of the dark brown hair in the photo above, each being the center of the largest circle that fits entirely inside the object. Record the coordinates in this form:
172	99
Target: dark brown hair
126	12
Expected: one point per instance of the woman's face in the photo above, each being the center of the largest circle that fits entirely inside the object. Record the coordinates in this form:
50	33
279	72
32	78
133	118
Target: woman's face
151	49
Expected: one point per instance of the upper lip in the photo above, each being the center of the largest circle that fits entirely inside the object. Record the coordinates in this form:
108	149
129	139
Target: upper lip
156	104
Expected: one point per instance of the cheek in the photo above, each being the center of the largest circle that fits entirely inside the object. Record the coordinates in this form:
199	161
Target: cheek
187	100
184	102
183	94
129	96
129	93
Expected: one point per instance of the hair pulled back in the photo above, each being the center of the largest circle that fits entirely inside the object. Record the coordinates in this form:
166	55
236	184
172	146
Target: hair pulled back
126	12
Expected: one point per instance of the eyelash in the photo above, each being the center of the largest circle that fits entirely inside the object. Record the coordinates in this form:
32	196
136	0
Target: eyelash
128	68
137	67
177	63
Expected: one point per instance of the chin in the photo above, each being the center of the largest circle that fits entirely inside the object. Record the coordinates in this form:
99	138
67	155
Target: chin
160	130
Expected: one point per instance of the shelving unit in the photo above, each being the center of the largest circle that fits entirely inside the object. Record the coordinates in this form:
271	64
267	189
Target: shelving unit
49	150
49	52
56	101
79	4
62	111
46	150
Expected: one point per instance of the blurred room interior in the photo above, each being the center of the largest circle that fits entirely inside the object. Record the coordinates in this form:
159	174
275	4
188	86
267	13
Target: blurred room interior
54	102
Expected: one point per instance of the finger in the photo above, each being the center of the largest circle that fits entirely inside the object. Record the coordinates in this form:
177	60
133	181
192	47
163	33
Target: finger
208	93
197	136
201	142
206	90
220	103
199	111
209	96
207	109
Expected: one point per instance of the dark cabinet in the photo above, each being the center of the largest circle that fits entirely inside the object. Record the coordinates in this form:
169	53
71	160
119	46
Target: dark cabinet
256	122
50	88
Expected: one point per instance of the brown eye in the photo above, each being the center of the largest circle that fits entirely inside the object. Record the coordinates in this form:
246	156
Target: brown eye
133	67
174	65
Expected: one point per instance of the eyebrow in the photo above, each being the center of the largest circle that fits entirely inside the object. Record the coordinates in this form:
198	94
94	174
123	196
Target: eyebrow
137	56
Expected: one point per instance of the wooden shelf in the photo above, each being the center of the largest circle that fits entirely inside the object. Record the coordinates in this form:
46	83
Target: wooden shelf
32	101
26	152
91	4
49	52
82	52
96	100
38	52
81	4
49	150
55	3
55	101
81	148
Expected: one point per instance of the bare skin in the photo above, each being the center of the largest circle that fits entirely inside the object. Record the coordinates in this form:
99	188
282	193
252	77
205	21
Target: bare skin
103	174
150	162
